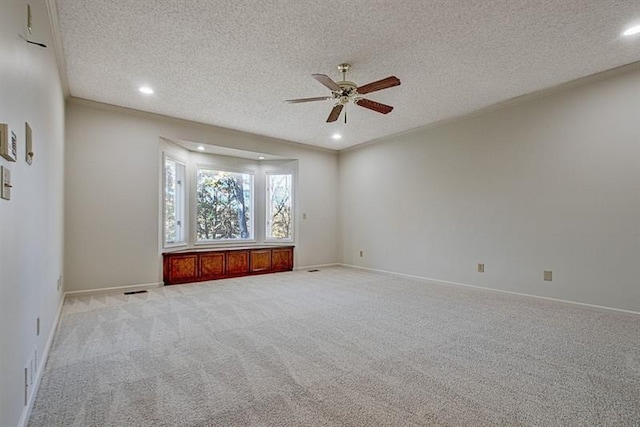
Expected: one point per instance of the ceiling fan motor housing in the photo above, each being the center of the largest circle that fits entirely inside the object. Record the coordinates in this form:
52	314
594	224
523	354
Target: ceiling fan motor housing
348	92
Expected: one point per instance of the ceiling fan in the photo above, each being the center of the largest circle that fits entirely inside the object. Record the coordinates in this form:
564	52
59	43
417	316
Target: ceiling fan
344	92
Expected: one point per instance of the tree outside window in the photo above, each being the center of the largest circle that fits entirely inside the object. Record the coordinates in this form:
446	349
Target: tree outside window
174	200
279	207
224	202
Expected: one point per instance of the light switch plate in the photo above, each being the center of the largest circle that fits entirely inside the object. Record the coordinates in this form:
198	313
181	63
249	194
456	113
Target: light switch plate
8	143
28	143
5	183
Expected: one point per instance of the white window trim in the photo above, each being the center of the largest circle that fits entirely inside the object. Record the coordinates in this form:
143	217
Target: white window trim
185	214
268	239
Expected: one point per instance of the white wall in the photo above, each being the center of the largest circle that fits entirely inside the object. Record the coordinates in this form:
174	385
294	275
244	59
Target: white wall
31	222
112	186
549	184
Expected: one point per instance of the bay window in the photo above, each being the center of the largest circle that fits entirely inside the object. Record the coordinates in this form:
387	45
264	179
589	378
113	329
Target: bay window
218	200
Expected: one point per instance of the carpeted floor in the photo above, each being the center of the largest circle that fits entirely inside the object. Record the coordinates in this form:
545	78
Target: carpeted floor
337	347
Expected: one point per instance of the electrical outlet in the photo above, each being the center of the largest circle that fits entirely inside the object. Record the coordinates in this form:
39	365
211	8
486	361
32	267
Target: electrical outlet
480	268
28	380
547	276
30	371
26	386
361	254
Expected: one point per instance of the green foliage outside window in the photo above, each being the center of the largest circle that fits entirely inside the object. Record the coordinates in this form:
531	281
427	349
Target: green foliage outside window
224	205
279	208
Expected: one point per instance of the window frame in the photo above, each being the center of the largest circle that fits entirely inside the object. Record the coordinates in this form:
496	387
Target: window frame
181	204
267	207
220	167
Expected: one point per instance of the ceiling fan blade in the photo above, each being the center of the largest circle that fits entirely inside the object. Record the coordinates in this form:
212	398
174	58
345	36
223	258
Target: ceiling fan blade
375	106
335	113
379	85
326	80
297	101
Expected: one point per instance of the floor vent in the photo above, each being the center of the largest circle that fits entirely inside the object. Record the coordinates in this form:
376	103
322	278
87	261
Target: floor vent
313	271
135	292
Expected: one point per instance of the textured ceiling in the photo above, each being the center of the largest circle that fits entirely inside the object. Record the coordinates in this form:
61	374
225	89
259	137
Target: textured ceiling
233	63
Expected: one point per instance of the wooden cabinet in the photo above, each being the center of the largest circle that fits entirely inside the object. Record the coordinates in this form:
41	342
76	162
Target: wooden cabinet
201	265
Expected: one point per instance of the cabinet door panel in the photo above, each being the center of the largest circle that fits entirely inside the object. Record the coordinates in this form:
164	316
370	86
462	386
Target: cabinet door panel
212	265
260	260
183	268
237	262
282	259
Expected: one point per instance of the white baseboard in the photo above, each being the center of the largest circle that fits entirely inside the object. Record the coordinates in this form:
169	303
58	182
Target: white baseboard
126	288
310	267
484	288
26	412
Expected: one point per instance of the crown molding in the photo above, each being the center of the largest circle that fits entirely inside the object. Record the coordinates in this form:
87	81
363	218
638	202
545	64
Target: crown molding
58	50
72	100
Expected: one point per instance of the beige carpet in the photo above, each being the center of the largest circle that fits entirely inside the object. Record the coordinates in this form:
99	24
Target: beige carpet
333	348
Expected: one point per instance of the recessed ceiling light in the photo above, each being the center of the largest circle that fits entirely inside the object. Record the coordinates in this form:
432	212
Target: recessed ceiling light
201	147
146	90
336	136
632	31
261	157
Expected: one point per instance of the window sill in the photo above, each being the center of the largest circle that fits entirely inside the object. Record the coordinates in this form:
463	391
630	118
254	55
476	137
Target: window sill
237	244
217	244
175	245
193	250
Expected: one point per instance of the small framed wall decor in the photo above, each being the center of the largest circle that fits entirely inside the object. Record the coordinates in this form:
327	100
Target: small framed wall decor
28	143
8	143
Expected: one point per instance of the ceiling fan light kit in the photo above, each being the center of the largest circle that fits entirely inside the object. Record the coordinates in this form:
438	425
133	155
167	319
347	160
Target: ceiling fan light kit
344	92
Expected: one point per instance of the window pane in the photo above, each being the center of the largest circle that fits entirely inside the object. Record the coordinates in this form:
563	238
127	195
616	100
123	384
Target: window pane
170	201
173	202
224	205
279	215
